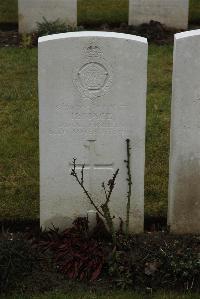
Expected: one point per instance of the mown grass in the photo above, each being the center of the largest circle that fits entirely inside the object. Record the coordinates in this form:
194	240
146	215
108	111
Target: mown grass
8	11
97	12
194	12
94	12
19	174
19	166
111	295
157	129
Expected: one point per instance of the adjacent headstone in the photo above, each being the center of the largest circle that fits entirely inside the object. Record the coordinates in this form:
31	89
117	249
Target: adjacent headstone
92	93
184	183
31	12
171	13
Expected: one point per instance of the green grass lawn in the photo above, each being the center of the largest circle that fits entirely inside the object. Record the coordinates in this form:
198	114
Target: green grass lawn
194	11
19	134
112	295
157	130
19	165
8	11
89	11
97	12
93	11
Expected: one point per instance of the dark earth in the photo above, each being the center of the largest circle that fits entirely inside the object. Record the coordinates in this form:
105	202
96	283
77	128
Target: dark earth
147	262
154	31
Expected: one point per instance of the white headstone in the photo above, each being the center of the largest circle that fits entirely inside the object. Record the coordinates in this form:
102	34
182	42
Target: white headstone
31	12
184	183
171	13
92	93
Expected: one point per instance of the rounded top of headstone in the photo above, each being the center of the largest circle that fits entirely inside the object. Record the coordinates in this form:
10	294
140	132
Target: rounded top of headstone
92	34
186	34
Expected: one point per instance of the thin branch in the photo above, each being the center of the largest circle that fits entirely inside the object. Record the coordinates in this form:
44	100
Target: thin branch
129	179
111	184
82	174
105	213
104	188
74	173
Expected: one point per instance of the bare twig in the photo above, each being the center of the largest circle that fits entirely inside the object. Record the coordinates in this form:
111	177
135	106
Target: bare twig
80	181
129	179
82	174
105	207
105	213
104	188
111	184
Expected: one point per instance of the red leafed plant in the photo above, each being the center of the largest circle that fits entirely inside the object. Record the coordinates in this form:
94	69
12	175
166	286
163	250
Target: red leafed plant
76	255
79	258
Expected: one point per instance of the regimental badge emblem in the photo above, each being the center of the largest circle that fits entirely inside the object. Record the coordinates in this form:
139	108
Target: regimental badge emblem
93	76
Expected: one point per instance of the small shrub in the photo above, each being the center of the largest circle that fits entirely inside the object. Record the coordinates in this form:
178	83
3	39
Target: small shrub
156	262
46	27
76	254
153	31
16	261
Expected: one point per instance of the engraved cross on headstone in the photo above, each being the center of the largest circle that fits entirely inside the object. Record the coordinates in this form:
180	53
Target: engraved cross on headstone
92	166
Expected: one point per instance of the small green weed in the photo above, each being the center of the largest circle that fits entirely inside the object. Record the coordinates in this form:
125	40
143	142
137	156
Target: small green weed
26	41
46	27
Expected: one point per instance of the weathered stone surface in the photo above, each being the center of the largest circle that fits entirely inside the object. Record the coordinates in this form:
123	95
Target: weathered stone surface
184	183
30	12
92	92
171	13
